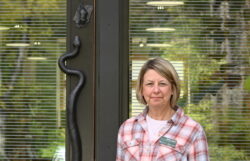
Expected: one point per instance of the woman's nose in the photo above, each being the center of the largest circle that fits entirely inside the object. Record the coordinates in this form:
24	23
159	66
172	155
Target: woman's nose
156	88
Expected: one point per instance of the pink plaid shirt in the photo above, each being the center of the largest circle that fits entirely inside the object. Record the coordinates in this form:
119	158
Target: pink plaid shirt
182	139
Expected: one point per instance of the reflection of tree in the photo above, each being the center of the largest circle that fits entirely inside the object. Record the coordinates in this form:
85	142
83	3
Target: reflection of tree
16	72
11	84
28	89
224	41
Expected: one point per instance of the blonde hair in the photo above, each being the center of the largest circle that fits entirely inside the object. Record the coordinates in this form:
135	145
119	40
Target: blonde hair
165	69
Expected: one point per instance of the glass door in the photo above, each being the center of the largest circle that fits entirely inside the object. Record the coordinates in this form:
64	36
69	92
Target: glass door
32	88
208	43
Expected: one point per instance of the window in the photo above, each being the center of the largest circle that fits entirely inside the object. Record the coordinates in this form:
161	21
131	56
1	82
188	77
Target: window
32	104
208	43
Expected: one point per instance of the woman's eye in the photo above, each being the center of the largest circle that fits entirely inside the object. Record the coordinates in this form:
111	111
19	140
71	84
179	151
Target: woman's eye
149	84
163	84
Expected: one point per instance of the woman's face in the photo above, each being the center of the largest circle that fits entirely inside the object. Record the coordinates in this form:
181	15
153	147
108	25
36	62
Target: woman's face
156	89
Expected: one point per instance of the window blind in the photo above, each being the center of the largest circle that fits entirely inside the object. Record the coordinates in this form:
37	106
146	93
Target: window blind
208	43
32	99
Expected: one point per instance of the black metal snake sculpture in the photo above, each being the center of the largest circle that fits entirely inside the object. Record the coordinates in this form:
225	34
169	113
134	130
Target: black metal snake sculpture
72	125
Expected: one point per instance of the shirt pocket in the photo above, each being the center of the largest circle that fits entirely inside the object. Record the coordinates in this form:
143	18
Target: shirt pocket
169	153
131	150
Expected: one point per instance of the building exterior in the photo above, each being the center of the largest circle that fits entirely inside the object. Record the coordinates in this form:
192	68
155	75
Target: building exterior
207	41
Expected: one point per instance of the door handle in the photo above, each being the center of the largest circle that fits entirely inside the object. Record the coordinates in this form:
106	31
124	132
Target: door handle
73	129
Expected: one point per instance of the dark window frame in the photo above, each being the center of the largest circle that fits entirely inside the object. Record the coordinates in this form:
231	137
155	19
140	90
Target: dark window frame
103	102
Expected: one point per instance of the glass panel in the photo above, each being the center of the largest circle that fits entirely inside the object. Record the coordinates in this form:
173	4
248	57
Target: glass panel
32	88
208	43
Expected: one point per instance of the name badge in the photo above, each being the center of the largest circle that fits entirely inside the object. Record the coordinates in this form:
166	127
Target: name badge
168	141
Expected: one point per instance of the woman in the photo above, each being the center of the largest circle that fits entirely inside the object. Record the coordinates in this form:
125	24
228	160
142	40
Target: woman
161	132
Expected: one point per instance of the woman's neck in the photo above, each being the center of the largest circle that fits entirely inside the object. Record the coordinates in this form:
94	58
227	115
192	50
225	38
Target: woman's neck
161	113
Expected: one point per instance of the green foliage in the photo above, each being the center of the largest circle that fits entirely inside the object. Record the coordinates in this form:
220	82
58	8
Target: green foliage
222	143
226	153
247	84
51	150
202	113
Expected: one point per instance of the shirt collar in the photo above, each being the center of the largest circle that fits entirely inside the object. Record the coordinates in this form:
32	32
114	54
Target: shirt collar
142	116
176	118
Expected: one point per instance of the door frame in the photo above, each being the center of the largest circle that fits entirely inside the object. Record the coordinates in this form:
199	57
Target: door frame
103	58
111	73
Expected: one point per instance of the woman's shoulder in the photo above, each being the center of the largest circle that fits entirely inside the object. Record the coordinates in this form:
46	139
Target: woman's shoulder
192	123
187	121
130	123
187	127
